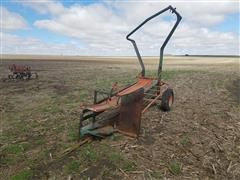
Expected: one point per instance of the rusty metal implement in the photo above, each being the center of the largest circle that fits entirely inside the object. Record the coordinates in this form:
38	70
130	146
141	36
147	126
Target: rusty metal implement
121	111
21	72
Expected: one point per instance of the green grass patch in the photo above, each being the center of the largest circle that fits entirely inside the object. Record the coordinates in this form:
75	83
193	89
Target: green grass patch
40	141
156	175
8	136
114	157
94	154
43	155
10	159
51	109
18	125
117	159
185	141
13	153
170	74
72	133
26	146
108	172
89	153
16	149
83	94
128	165
219	83
72	167
23	175
175	167
116	137
54	96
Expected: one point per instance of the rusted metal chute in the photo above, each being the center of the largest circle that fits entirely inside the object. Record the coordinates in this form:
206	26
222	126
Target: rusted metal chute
121	110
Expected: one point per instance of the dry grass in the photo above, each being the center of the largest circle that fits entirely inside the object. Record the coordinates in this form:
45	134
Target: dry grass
199	138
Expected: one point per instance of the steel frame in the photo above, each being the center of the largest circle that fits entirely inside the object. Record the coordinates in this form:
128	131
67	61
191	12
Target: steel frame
153	89
163	45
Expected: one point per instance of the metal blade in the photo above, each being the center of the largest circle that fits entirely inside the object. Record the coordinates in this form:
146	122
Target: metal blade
130	113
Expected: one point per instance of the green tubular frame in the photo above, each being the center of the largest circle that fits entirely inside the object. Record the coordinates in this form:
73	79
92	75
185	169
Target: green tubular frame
173	10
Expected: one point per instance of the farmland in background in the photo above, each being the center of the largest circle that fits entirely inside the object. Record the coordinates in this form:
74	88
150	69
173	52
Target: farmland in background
200	137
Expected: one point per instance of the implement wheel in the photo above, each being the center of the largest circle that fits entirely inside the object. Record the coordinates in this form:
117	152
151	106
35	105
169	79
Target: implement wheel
36	75
10	76
167	100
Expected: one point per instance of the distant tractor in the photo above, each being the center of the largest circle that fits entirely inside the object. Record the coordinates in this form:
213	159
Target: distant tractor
21	72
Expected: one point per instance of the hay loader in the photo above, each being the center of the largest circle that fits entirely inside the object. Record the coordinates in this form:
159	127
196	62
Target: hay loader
121	110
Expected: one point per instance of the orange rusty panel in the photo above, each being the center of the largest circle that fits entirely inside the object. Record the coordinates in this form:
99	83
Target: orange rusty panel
130	113
142	83
113	102
110	103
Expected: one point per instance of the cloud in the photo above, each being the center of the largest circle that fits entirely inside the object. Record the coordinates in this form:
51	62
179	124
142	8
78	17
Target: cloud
204	41
208	13
11	21
14	44
43	6
102	26
205	13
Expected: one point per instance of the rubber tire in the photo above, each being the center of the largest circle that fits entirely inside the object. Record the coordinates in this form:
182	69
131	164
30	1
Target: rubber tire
10	76
28	75
165	100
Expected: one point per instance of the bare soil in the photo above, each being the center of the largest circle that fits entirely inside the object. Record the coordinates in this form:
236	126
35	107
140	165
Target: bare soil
198	139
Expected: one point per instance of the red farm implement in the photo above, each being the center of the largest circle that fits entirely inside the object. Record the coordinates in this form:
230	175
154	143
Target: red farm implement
21	72
121	110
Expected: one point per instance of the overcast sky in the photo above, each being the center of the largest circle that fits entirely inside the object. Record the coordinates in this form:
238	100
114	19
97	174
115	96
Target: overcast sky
100	27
